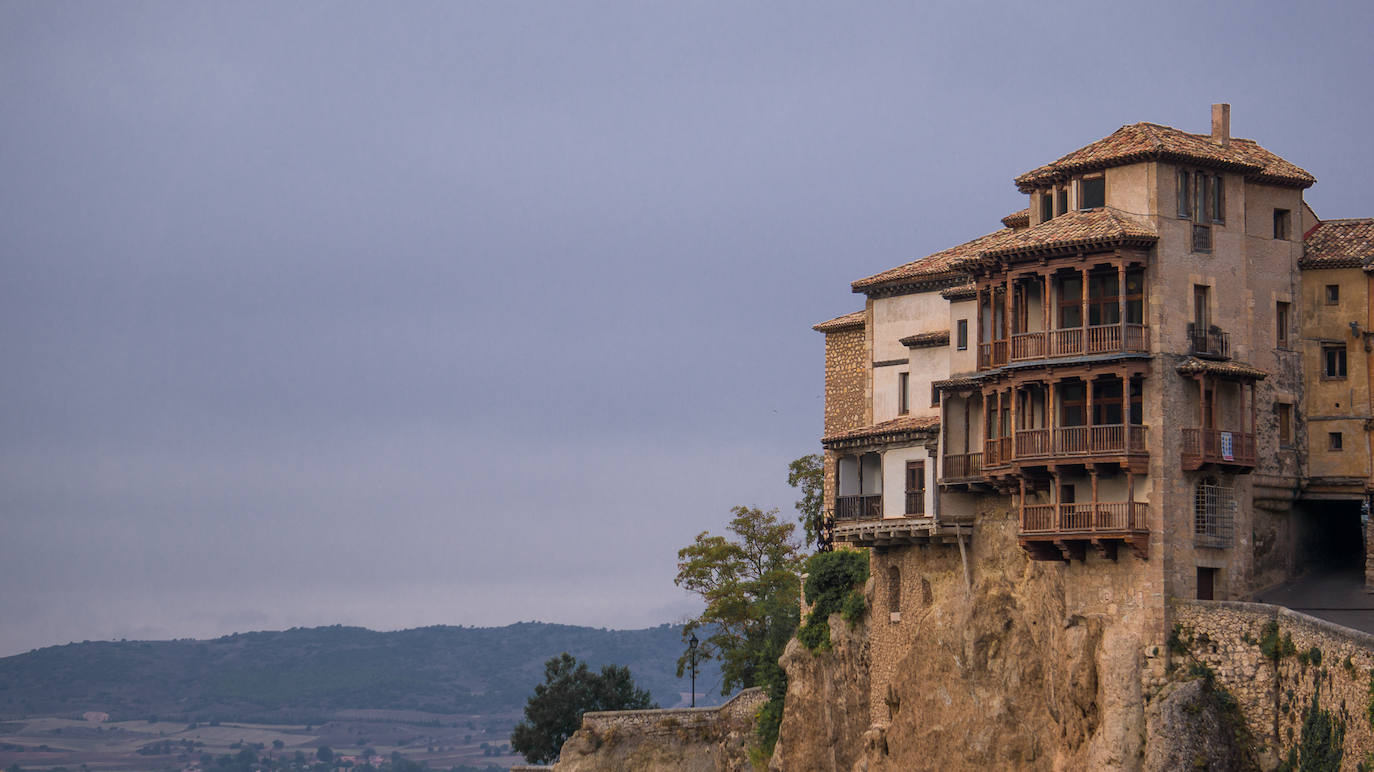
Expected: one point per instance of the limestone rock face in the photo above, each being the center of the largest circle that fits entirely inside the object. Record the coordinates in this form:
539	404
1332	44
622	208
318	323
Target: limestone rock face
994	672
831	694
1187	730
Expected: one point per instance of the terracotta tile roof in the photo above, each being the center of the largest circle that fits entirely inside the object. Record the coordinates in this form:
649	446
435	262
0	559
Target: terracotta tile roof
926	339
1153	142
961	292
1019	219
956	383
1195	366
845	322
1340	244
946	263
896	429
1072	230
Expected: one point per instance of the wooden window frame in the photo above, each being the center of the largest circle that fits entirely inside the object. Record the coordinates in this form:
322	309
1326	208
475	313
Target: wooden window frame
1096	181
1283	319
1334	369
903	393
961	334
1335	441
1283	229
1333	294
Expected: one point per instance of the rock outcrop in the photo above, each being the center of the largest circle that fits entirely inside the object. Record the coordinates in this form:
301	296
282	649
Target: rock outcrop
1190	727
994	672
830	692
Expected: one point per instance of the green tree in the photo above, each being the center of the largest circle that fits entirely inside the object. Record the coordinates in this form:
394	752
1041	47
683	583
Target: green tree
570	689
751	588
808	475
324	754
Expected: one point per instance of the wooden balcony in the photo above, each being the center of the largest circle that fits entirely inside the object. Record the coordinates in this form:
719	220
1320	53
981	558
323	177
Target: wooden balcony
1112	443
858	507
1068	342
1209	343
1221	448
1059	533
962	467
915	503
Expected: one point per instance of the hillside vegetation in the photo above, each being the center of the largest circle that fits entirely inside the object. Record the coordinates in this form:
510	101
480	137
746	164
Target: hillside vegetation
305	675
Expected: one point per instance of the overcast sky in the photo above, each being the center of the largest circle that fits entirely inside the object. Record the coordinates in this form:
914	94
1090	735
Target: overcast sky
396	314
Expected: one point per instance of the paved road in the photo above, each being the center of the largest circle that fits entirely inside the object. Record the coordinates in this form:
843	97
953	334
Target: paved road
1338	597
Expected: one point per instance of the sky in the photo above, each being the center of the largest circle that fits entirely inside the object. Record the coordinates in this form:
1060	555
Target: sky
471	313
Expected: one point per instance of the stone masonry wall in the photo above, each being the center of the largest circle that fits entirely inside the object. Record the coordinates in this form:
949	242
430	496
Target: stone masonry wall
1274	698
846	390
676	739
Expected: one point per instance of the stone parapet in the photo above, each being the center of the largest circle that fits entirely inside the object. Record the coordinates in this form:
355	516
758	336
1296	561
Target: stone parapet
670	721
1325	661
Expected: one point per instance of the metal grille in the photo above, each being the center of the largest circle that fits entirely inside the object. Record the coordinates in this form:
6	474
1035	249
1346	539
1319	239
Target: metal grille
1214	515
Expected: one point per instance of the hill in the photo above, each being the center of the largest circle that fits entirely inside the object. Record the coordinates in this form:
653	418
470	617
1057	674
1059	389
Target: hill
308	674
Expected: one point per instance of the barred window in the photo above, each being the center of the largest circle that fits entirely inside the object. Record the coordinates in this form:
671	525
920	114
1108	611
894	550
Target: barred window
1214	510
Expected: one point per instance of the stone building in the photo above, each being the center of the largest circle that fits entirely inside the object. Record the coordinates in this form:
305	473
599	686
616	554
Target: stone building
1133	370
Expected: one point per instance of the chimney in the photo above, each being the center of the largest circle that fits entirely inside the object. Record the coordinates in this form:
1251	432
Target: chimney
1221	124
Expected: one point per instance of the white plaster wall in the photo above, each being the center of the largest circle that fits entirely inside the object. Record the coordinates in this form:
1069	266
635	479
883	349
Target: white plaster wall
895	318
894	471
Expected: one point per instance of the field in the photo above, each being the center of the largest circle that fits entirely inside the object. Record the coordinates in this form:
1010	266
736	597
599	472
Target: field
441	741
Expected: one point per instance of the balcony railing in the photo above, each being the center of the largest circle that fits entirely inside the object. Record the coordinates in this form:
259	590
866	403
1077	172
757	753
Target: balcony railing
962	466
996	452
858	507
1102	517
1071	341
1106	439
915	503
1214	446
1209	343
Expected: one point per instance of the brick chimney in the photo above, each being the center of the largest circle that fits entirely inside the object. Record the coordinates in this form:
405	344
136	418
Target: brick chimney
1221	124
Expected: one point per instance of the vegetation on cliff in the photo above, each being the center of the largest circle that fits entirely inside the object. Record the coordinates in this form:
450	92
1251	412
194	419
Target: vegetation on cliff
834	585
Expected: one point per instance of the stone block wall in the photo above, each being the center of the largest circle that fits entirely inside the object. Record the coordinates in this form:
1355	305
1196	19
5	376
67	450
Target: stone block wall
1275	696
672	721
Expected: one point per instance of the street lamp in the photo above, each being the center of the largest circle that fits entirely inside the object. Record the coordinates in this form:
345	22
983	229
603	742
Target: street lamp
692	648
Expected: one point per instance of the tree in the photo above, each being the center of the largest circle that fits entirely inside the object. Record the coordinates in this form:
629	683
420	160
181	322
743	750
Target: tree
325	754
570	689
751	588
808	474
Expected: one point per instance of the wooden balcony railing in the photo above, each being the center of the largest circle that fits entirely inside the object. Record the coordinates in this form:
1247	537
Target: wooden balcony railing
1033	443
962	466
1027	345
1072	341
915	503
1103	517
1215	446
858	507
996	452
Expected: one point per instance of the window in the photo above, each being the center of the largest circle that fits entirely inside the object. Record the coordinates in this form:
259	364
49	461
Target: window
1281	224
1107	403
1333	360
1281	325
1104	305
1135	297
1285	416
961	334
1073	404
1333	294
903	393
1071	302
1201	198
1092	193
1334	441
1202	308
915	487
1061	201
1214	509
1046	206
1137	403
934	396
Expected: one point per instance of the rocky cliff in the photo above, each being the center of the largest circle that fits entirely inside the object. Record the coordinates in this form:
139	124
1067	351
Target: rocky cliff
993	667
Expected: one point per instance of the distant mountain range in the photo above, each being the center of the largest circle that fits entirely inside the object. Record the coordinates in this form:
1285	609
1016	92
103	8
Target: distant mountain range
305	675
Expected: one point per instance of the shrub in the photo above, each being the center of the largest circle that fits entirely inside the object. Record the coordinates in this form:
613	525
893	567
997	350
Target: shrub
834	584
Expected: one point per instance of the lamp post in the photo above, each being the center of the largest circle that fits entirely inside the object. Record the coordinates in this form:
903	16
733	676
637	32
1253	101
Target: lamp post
692	649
